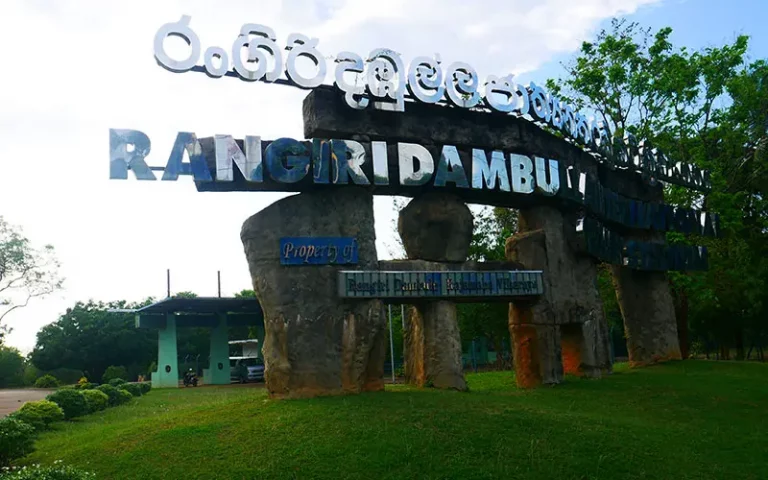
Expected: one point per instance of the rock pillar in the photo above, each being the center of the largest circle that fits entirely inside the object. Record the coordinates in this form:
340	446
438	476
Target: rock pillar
436	227
315	343
649	315
644	298
564	331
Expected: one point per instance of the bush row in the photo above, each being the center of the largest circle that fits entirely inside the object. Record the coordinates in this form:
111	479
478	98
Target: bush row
17	431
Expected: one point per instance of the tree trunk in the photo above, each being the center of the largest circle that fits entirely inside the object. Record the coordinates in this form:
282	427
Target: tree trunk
725	352
739	343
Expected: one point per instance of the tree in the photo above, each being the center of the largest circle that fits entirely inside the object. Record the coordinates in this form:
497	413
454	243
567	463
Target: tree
11	367
25	272
488	320
707	108
89	338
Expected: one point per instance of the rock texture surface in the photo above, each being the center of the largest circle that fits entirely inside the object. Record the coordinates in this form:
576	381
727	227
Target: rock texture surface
649	316
315	343
434	346
437	227
644	298
537	354
432	341
570	326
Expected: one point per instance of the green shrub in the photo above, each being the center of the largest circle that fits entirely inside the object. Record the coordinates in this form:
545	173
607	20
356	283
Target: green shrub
96	400
71	401
145	387
115	397
117	382
114	372
40	414
132	388
46	381
16	439
37	472
125	396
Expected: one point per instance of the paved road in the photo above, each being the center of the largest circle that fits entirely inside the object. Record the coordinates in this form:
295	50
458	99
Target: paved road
12	400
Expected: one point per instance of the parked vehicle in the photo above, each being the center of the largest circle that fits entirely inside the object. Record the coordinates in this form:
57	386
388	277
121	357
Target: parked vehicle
190	379
246	369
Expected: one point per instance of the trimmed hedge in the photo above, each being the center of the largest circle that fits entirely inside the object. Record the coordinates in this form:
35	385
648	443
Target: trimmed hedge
132	388
117	382
96	400
16	440
40	414
115	397
145	387
113	372
46	381
125	396
71	401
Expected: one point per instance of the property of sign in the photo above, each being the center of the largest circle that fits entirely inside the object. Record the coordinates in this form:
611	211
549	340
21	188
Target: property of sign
318	251
446	284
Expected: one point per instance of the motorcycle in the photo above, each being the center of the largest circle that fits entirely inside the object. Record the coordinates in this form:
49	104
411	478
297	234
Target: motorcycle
190	379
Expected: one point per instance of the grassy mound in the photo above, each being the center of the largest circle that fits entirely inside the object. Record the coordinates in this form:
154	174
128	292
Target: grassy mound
683	420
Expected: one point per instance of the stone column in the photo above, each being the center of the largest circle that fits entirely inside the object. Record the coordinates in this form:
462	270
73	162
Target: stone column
434	346
532	324
315	343
649	315
436	227
564	331
644	298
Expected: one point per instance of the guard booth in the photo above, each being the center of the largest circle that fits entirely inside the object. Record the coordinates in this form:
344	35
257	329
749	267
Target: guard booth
217	314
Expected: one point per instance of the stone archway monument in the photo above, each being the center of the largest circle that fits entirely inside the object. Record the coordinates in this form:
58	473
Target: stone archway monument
584	196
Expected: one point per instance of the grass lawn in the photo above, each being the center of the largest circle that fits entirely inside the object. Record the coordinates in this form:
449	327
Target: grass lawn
693	419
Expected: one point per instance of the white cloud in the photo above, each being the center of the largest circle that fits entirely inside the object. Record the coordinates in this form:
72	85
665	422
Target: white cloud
75	69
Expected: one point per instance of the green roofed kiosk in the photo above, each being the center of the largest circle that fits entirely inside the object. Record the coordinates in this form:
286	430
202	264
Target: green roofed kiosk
215	313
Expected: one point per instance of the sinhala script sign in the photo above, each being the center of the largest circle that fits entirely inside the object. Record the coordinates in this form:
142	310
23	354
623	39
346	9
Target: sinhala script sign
382	79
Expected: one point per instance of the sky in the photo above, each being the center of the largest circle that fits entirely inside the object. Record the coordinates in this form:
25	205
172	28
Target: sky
74	69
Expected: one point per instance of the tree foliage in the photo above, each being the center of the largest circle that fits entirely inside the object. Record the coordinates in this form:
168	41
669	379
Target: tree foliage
488	320
89	338
11	367
25	271
709	108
